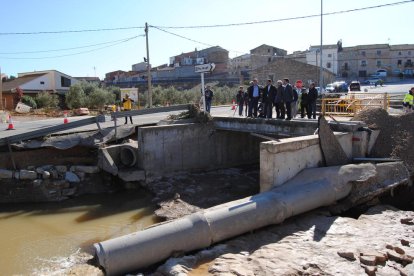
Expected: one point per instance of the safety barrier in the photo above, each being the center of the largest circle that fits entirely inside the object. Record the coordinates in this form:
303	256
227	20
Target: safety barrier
351	103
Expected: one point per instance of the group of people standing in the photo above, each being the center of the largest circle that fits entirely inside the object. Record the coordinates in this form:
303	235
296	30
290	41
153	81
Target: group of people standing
283	97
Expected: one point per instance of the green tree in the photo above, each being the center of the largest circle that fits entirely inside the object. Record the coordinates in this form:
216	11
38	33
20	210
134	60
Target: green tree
76	97
99	97
47	100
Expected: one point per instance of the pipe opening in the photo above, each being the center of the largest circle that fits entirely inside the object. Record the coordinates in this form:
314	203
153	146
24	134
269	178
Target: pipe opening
128	156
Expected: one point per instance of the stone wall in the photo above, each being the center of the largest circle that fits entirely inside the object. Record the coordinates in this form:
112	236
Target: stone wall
51	183
293	70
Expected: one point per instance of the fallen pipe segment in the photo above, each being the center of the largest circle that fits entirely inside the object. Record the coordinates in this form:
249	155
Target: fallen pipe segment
310	189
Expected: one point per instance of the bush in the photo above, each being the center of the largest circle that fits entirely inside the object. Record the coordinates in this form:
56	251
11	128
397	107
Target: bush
99	97
46	100
76	97
29	101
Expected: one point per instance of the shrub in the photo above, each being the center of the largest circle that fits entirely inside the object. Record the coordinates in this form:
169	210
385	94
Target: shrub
75	98
30	101
46	100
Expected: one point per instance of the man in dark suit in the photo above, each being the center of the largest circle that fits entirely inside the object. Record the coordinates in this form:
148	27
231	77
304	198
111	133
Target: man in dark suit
287	97
269	94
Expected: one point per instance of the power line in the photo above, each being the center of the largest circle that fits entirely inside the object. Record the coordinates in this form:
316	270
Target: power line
65	49
209	26
285	19
183	37
71	31
73	54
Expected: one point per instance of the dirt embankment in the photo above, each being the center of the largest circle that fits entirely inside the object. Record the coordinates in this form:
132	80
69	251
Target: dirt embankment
396	137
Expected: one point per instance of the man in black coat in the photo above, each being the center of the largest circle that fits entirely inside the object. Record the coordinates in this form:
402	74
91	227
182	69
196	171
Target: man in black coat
288	97
312	97
269	94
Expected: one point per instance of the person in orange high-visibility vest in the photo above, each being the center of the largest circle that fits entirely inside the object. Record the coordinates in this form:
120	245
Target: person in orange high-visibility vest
127	105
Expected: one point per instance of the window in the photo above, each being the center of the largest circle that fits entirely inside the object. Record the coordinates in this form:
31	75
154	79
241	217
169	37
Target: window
328	65
399	62
363	53
409	53
42	82
378	63
346	66
329	55
363	63
64	82
268	50
269	59
399	53
378	52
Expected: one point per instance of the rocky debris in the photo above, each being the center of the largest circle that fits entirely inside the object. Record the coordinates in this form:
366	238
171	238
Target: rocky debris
175	208
50	183
203	189
396	135
312	244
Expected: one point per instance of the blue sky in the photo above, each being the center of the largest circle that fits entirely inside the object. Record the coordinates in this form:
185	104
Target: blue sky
96	53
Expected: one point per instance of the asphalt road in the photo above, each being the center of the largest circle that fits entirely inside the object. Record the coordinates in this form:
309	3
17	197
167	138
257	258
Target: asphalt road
25	124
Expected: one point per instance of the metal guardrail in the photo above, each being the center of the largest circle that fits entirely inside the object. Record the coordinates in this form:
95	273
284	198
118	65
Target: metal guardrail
352	103
88	121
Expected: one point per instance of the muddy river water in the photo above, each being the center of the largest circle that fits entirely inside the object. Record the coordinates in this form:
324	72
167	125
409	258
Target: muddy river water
34	237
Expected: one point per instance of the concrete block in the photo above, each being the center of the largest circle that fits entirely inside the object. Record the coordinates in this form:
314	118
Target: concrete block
132	175
332	151
46	175
85	169
6	174
71	177
26	174
360	144
106	163
61	169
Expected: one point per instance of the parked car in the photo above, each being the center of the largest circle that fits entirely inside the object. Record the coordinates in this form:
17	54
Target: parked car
330	88
373	80
354	86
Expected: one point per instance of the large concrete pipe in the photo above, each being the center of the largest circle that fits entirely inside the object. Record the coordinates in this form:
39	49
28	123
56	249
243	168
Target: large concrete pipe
128	154
311	189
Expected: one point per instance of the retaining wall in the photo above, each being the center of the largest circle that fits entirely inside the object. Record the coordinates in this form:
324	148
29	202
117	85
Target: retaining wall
166	149
282	160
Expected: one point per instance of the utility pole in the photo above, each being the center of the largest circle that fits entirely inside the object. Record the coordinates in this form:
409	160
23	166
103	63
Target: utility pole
149	96
321	66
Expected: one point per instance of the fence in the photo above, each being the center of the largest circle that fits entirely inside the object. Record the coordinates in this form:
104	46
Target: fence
352	103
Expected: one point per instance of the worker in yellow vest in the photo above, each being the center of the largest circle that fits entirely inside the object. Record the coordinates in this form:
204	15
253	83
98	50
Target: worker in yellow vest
408	100
127	105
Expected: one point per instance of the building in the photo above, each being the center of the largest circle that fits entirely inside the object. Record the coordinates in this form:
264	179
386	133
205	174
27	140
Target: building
402	60
33	83
264	54
329	57
240	67
94	80
294	70
359	62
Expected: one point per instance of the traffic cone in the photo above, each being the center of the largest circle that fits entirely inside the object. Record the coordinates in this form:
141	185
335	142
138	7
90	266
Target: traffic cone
11	126
65	120
233	107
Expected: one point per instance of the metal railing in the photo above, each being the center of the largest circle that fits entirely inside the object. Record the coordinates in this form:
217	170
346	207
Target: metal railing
353	102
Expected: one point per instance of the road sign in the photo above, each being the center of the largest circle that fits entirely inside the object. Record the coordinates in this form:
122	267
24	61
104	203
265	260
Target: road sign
203	68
